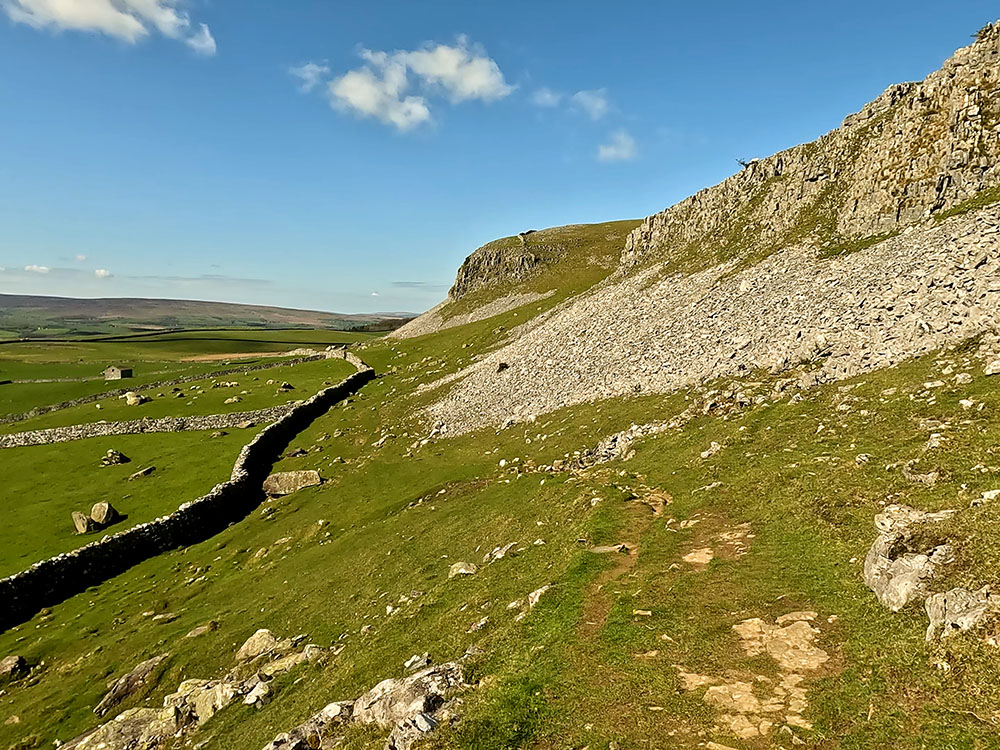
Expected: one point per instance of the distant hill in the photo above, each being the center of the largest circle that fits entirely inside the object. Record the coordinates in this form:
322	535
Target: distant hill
28	316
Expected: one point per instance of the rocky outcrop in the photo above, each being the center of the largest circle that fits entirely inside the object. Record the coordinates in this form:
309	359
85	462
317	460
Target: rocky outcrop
409	707
195	701
918	149
129	684
504	262
895	572
958	610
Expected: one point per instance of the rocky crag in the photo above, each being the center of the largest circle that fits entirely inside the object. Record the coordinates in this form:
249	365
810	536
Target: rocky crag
871	245
917	150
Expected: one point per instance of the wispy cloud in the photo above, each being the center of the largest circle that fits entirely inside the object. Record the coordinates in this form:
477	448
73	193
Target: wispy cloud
80	258
128	20
546	97
621	147
424	286
593	103
102	273
310	75
36	269
397	88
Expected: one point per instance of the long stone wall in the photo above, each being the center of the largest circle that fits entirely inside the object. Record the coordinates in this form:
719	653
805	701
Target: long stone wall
39	410
54	580
141	426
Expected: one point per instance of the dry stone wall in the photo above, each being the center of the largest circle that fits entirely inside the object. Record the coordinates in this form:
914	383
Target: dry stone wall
58	578
919	148
141	426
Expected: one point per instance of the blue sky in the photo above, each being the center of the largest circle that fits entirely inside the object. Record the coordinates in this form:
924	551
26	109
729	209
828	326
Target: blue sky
348	156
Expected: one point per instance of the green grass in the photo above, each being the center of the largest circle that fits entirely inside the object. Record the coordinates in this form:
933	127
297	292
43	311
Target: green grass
546	684
981	199
199	397
45	484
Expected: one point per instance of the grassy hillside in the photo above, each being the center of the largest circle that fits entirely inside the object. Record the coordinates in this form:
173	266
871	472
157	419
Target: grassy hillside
785	507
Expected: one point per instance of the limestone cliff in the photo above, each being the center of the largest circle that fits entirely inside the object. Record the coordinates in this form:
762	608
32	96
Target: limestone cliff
918	149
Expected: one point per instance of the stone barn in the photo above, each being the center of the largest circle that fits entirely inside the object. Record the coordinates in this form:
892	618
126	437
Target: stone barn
113	372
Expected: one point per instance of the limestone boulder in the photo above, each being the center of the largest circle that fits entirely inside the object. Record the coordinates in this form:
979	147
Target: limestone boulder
287	482
128	685
958	610
135	399
103	514
462	569
114	458
261	642
83	523
13	668
397	700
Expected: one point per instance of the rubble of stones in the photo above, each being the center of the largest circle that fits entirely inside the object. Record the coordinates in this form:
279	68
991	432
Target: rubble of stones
409	707
928	288
898	572
877	173
258	662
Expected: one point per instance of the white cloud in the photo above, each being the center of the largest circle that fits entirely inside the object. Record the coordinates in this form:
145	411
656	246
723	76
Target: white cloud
464	72
102	273
311	74
374	294
80	258
621	148
128	20
2	269
546	97
36	269
593	103
381	89
202	41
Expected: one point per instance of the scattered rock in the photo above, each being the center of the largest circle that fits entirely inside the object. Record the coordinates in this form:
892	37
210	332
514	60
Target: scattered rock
201	630
142	473
114	458
462	569
135	399
287	482
993	368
